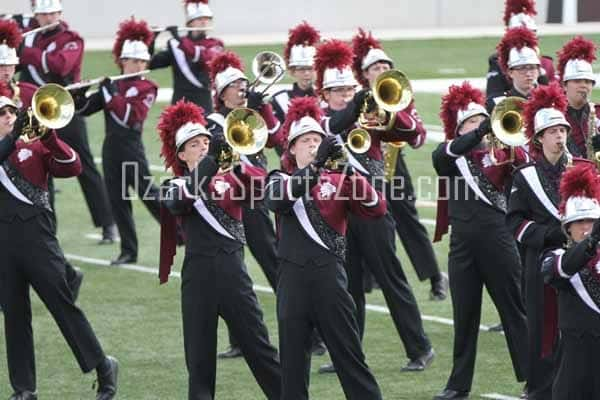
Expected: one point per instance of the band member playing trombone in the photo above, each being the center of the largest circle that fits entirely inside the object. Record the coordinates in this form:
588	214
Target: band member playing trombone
32	255
189	56
232	92
473	199
55	56
370	61
371	241
215	281
126	104
534	220
575	69
313	205
519	60
574	273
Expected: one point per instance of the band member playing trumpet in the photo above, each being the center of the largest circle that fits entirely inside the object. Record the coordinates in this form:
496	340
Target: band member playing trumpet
231	92
519	60
55	56
534	220
33	257
126	104
574	273
575	69
371	241
517	14
370	61
313	205
215	281
190	56
482	251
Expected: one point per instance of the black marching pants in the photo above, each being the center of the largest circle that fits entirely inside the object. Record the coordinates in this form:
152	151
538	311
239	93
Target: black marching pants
219	285
487	257
32	257
125	166
311	297
577	376
372	240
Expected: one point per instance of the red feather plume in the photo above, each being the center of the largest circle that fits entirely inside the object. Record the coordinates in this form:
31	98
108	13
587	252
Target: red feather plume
301	107
577	48
332	54
302	34
171	119
458	98
222	61
512	7
5	90
580	180
10	34
514	38
130	29
543	96
362	42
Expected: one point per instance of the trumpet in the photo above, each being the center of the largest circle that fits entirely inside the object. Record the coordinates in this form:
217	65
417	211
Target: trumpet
52	107
358	142
114	78
268	68
245	132
508	127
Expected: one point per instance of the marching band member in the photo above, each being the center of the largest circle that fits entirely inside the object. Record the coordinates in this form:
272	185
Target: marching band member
313	205
370	61
533	216
299	57
55	56
574	273
575	69
482	251
190	56
230	92
33	257
214	278
126	104
519	60
372	241
517	14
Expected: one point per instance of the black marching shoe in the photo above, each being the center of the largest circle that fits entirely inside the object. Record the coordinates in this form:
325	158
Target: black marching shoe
109	234
75	284
421	363
26	395
449	394
439	288
327	369
124	258
232	352
318	349
496	328
107	381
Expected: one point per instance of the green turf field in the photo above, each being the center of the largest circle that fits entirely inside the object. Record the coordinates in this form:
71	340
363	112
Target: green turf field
139	321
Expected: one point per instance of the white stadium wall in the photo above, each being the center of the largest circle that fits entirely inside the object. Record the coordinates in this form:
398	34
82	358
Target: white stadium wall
98	19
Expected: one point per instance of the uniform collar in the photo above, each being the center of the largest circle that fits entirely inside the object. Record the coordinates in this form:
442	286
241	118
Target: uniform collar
297	92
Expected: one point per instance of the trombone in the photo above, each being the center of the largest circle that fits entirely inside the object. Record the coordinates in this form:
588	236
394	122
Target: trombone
114	78
358	142
246	133
52	107
508	127
268	68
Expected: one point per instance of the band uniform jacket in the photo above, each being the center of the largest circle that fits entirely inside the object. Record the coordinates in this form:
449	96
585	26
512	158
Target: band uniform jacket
312	227
189	59
580	123
52	56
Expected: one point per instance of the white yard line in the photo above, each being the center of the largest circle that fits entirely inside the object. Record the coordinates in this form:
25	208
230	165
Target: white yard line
258	288
497	396
97	236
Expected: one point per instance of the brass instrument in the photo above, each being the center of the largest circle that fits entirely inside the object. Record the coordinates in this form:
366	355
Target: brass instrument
245	132
41	29
508	127
268	68
52	107
159	29
592	131
114	78
565	148
358	141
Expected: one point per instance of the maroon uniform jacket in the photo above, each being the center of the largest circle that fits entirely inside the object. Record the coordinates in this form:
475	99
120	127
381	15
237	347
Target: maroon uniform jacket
580	122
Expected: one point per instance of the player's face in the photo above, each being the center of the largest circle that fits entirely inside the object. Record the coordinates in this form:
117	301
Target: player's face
375	70
7	72
304	76
304	148
44	19
233	95
524	77
578	230
471	123
554	140
8	115
202	22
338	97
133	65
578	91
194	150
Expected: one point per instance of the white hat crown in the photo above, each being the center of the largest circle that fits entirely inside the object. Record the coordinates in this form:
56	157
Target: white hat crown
46	6
578	208
471	110
304	125
8	55
302	56
547	118
226	77
335	77
197	10
188	131
5	101
578	69
135	49
375	55
522	20
523	56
